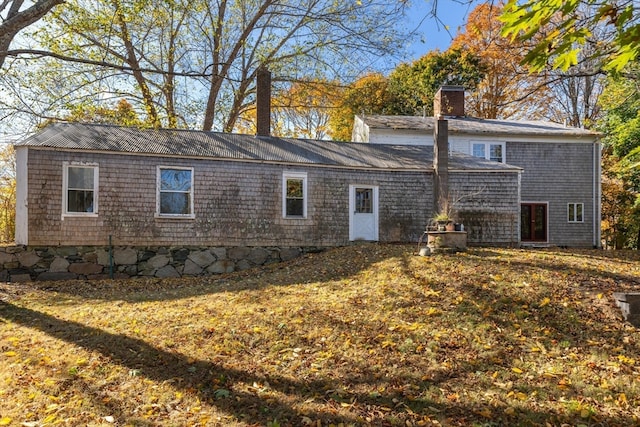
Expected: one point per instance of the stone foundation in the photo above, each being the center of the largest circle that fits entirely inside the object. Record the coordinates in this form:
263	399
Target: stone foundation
20	263
629	303
447	241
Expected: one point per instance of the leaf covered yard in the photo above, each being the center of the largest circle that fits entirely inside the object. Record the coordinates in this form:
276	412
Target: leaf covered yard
365	335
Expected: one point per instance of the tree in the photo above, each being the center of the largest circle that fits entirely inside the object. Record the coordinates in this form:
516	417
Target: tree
574	96
507	88
409	89
303	109
575	91
620	210
13	20
414	85
621	161
370	94
561	43
121	114
184	62
7	193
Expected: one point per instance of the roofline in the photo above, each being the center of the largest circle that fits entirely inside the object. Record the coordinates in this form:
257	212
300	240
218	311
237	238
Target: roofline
514	169
576	133
224	159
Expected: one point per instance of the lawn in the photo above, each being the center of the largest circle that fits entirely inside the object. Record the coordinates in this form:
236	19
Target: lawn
365	335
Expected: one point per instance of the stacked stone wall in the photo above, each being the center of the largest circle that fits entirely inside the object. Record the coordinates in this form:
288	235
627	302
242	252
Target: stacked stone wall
21	263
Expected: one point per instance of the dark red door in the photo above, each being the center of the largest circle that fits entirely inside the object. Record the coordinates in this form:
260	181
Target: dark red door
533	222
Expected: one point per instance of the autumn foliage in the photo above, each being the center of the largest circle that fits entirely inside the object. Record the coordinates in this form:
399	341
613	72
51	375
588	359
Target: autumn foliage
368	335
508	89
7	193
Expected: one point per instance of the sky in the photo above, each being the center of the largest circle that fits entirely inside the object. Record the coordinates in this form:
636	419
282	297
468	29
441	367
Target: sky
436	33
433	32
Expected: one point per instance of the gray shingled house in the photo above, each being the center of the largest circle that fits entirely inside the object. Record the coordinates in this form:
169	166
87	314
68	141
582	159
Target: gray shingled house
560	183
78	184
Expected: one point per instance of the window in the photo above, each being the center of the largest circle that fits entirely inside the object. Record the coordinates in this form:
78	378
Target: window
80	194
175	192
294	190
495	152
478	150
489	151
364	200
575	212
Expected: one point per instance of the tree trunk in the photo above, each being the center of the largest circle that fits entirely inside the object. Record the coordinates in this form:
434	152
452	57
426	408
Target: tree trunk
133	62
16	21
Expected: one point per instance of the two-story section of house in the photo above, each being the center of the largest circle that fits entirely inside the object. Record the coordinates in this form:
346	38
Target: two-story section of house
560	183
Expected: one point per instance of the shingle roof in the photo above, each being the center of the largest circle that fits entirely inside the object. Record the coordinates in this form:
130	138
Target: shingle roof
470	125
188	143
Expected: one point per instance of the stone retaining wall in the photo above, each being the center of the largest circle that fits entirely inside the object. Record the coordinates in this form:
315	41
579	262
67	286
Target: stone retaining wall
629	303
20	263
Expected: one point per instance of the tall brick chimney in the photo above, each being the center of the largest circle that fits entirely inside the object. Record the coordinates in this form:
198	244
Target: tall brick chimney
263	101
449	101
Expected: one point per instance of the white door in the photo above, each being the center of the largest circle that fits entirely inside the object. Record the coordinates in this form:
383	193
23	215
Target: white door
363	212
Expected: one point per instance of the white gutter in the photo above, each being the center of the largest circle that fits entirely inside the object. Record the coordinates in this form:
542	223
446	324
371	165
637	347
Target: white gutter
22	196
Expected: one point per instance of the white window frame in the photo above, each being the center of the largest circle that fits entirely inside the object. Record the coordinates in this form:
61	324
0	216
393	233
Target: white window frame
191	213
487	149
65	189
298	176
575	218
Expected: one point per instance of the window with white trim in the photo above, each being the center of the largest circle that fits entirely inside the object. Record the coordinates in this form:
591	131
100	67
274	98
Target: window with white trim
175	192
489	150
80	189
575	212
294	195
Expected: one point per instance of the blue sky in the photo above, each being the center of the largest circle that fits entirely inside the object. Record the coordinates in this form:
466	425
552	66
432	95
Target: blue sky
432	32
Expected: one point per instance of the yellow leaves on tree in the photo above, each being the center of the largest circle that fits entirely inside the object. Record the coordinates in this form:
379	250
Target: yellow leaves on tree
368	95
301	110
501	94
7	193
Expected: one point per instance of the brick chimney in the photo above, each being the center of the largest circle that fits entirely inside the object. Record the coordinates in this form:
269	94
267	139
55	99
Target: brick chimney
449	101
263	101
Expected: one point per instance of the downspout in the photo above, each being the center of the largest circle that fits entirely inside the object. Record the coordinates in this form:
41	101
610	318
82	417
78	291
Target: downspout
597	195
518	218
441	164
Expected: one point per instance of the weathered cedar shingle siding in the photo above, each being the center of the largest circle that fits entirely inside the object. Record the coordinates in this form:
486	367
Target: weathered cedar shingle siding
559	173
488	206
235	203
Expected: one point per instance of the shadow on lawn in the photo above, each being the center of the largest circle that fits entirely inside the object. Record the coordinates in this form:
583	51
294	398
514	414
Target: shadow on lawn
203	377
568	259
159	365
329	265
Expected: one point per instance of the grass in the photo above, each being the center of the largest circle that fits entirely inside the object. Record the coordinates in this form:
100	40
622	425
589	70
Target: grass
364	335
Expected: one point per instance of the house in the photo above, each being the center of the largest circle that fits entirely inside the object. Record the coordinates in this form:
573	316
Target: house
162	202
560	182
80	184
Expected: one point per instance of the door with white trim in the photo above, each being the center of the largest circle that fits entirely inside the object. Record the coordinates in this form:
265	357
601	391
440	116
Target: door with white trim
363	212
